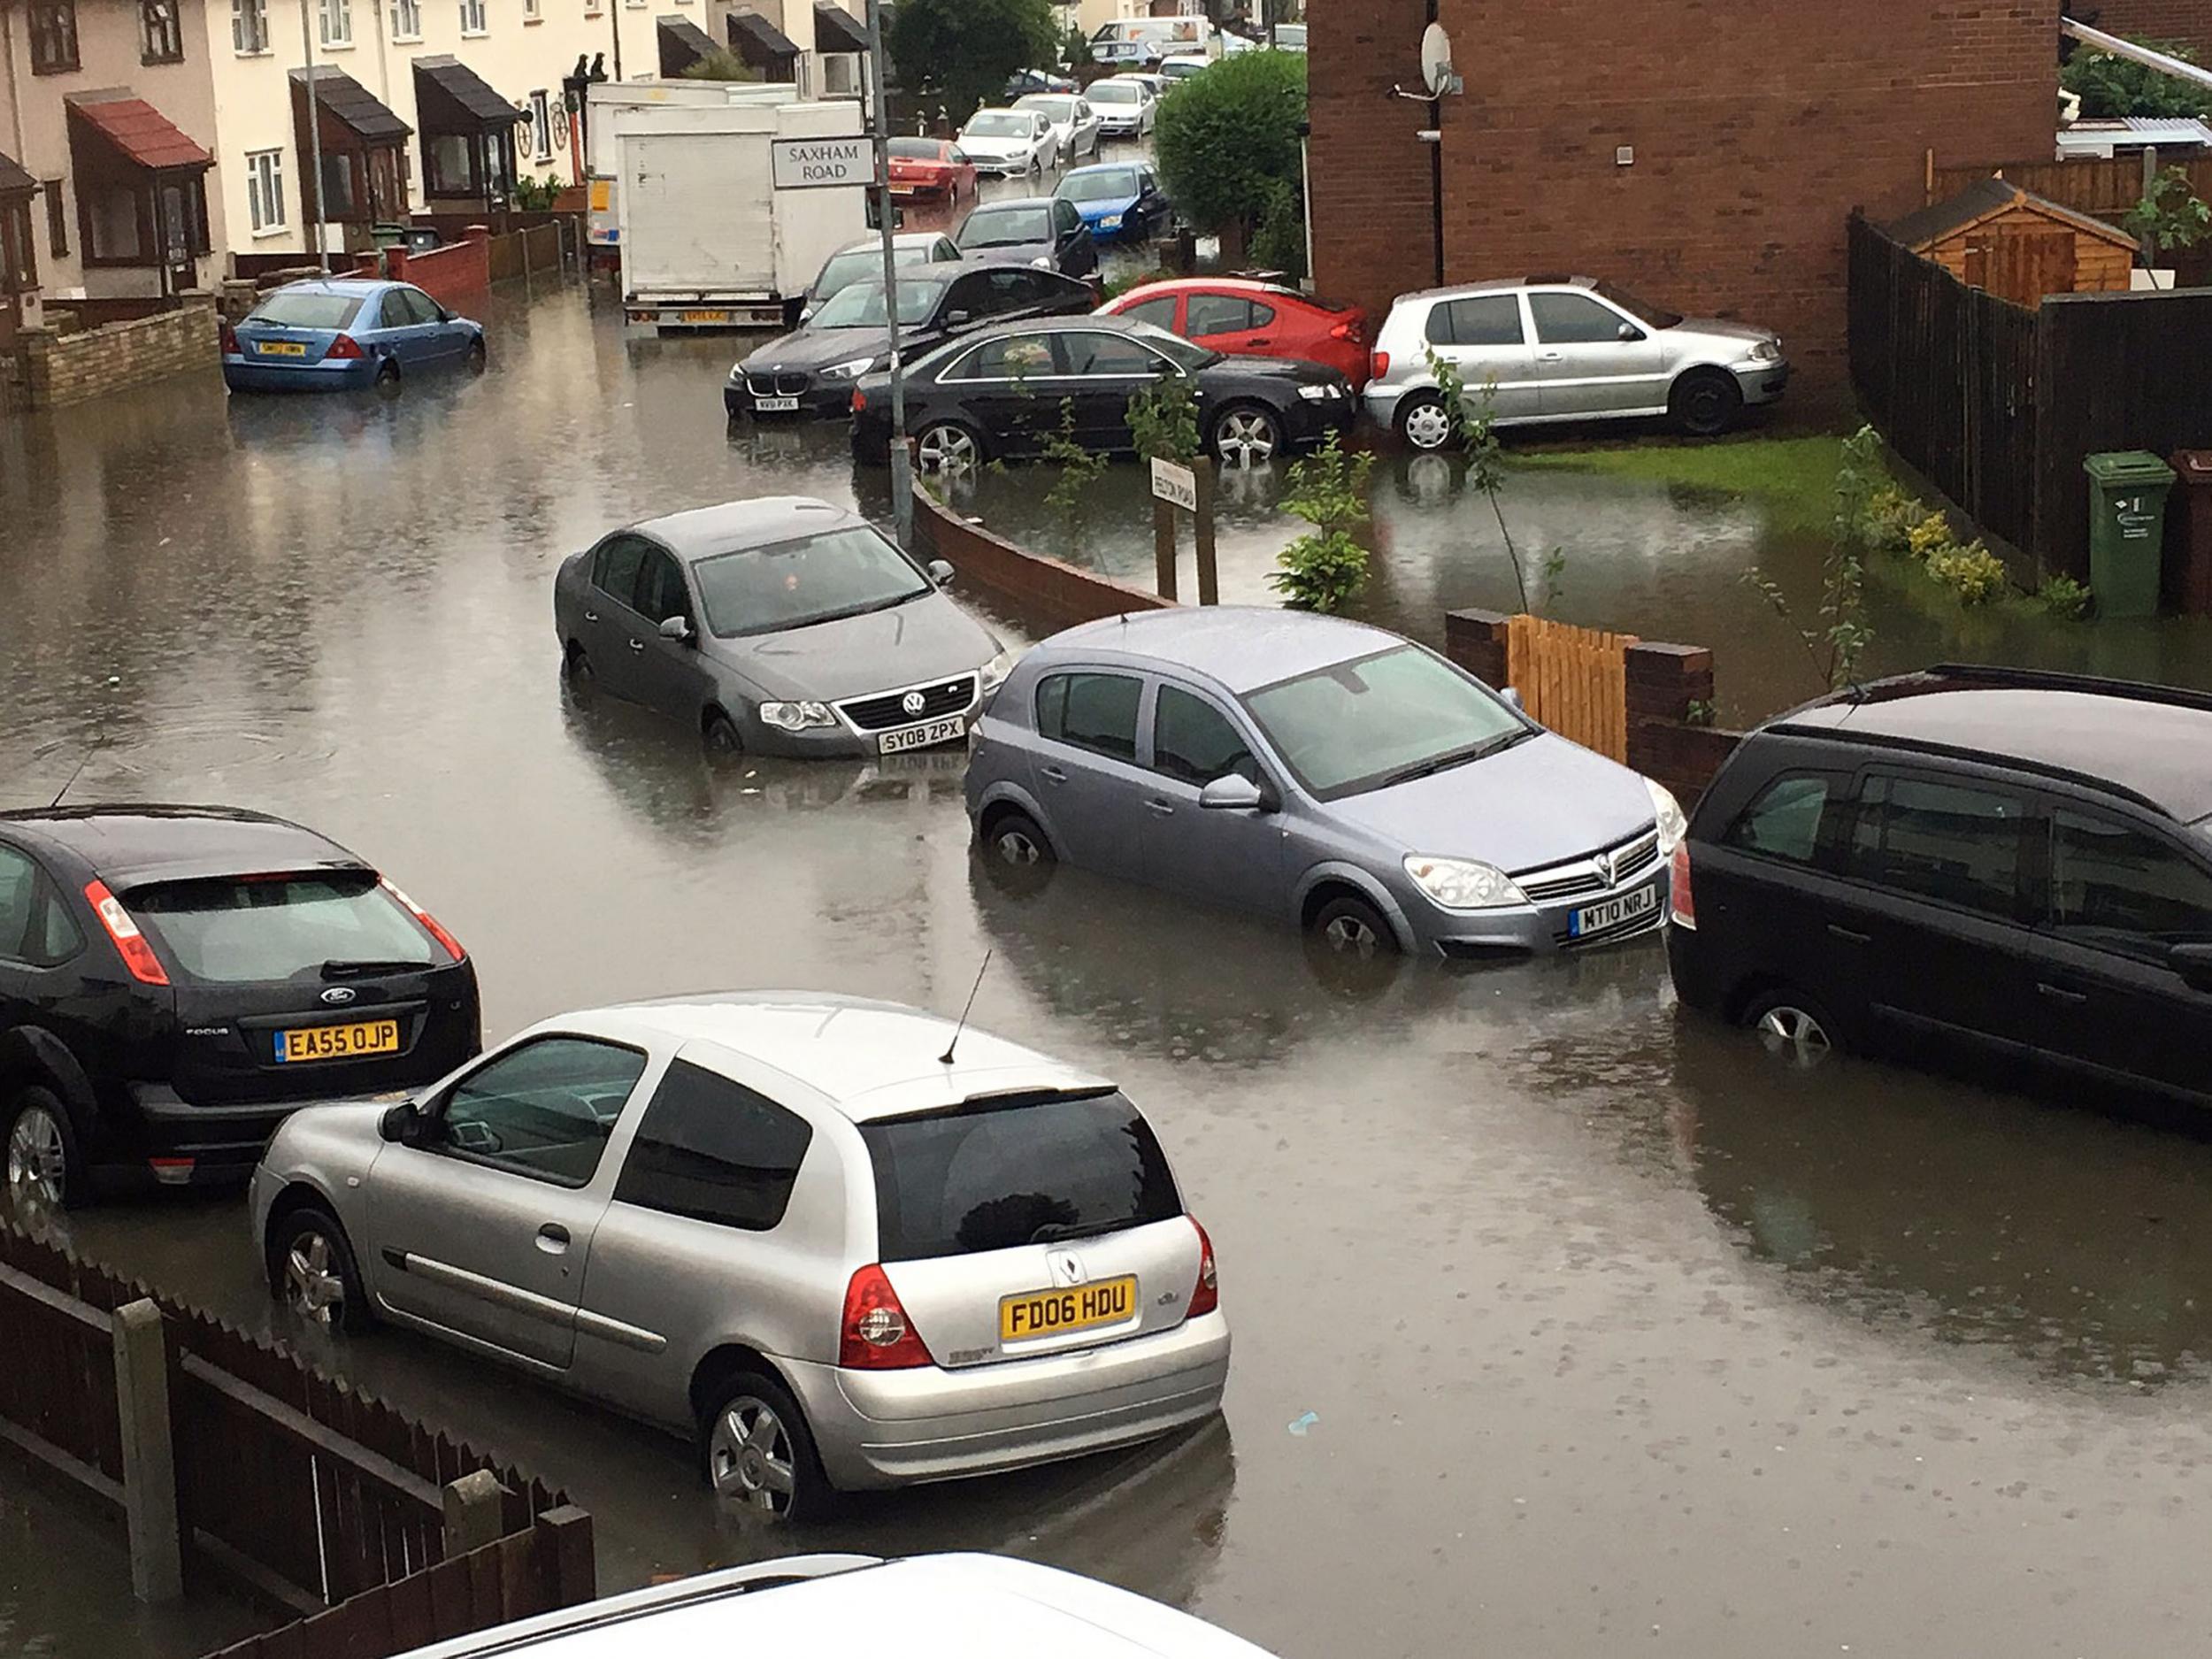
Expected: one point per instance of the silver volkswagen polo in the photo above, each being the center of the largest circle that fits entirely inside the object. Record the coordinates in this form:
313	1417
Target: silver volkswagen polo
843	1244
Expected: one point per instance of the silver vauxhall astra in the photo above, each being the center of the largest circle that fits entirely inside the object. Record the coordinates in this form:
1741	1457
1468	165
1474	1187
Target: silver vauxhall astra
842	1244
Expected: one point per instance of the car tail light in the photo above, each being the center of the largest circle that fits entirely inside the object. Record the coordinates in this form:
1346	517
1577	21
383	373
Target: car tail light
1378	364
860	401
346	348
133	945
1206	1294
1680	902
1347	330
429	922
876	1334
227	338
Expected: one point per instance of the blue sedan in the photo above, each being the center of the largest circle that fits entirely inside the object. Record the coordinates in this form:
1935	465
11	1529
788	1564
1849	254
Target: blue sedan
1121	201
333	333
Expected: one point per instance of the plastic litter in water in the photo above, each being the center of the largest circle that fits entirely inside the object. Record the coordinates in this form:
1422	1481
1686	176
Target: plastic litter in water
1301	1425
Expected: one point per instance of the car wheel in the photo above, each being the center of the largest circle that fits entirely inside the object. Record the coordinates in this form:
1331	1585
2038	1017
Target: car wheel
760	1453
1351	927
1246	435
475	358
1423	422
1793	1027
723	738
946	446
1017	859
388	376
45	1170
1706	402
313	1273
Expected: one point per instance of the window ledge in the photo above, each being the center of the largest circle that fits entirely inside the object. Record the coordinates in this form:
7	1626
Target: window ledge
258	52
407	40
528	23
273	230
335	46
475	34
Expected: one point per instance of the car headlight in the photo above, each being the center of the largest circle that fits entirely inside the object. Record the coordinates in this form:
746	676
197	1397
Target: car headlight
851	371
737	374
1672	824
1463	884
1767	351
796	717
992	673
1319	394
1109	221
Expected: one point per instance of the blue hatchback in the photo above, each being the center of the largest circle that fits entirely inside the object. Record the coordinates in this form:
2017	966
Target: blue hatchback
333	333
1120	201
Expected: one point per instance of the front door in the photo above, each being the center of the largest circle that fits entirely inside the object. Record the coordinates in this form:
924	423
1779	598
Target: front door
1483	337
1084	768
1232	857
616	631
484	1228
1769	884
1592	359
402	331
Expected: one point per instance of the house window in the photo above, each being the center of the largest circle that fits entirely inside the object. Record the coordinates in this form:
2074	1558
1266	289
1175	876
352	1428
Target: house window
248	26
115	223
406	20
57	219
534	10
18	262
160	33
472	21
541	126
53	36
334	22
265	189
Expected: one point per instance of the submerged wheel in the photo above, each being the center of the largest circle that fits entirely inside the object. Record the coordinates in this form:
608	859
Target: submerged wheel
1247	435
1352	927
946	446
1793	1027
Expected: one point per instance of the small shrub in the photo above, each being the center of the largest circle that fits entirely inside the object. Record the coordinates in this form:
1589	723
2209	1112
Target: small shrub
1929	537
1886	522
1322	572
1163	420
1972	571
2064	597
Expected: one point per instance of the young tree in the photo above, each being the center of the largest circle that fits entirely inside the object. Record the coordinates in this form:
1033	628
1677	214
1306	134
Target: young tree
1227	143
967	48
2170	216
2111	87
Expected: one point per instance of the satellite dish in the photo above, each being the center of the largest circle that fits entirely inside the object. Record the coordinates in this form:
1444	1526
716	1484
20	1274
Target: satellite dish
1436	61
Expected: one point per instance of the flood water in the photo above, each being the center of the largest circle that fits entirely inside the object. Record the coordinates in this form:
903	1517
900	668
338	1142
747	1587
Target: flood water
1565	1324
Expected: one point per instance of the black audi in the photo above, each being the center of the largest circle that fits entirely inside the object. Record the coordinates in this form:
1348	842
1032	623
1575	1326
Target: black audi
1005	391
812	371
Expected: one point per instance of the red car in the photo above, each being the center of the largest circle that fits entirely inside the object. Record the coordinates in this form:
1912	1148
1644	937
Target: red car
1258	320
931	169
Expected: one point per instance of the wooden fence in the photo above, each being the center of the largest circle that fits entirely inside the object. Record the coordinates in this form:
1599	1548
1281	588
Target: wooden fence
540	251
294	1486
1574	680
2088	184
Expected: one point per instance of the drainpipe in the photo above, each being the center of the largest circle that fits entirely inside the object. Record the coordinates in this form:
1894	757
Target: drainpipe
887	217
314	136
15	95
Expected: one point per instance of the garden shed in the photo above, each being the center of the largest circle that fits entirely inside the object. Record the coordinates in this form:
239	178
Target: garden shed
2017	245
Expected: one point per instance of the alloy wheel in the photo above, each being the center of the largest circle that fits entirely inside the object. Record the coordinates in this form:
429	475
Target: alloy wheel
1016	848
1246	436
1789	1030
314	1288
38	1158
948	448
1349	936
751	1458
1428	427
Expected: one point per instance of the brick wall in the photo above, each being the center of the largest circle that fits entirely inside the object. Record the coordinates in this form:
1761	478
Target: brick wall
1757	125
1046	591
57	369
2188	22
452	274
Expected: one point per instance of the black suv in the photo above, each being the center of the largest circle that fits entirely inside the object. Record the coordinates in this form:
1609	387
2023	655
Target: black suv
2000	864
174	979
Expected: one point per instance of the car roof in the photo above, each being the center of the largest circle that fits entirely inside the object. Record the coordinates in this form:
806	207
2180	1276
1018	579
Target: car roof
352	288
1102	166
1239	646
902	239
135	844
947	1607
1495	285
870	1059
699	532
1000	204
2158	750
1211	285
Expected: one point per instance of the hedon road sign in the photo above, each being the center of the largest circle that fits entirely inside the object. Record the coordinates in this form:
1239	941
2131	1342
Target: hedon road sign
815	164
1176	485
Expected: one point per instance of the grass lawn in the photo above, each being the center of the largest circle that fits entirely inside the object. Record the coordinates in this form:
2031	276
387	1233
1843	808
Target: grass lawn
1795	476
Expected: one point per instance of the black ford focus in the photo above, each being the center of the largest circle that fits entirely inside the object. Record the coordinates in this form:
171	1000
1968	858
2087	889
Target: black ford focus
173	980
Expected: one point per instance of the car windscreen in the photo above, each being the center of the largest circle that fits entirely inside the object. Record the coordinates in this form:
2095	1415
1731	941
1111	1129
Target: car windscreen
1360	725
915	148
1116	184
797	584
1291	36
1173	346
860	304
997	124
1116	92
1052	108
1006	227
1001	1173
306	310
235	929
845	269
1650	316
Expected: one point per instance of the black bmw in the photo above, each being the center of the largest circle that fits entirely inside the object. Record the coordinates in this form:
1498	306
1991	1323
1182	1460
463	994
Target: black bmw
1005	390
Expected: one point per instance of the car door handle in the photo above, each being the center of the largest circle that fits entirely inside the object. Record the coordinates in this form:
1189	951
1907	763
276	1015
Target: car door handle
1160	809
1052	774
553	1238
2059	993
637	645
1849	935
1259	340
591	616
1549	357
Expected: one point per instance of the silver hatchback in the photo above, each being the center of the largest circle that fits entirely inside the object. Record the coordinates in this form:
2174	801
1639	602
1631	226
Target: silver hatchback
1564	348
843	1244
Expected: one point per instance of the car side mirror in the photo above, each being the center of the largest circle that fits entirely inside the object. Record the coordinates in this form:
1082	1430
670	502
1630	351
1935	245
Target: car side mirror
1235	792
806	315
676	628
2194	964
941	572
404	1124
1512	697
1630	334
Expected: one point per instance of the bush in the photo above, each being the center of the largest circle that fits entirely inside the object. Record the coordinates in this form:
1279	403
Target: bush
1929	537
1228	139
969	49
721	64
1280	244
2113	86
1972	571
1163	420
1887	522
2064	597
1325	570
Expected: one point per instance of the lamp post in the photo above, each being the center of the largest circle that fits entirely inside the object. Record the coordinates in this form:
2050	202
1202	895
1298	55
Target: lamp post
314	137
879	133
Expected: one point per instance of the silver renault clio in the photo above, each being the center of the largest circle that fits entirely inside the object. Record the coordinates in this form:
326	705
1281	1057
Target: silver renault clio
845	1243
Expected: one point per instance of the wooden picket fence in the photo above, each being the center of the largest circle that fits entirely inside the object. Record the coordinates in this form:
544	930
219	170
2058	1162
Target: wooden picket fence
1574	680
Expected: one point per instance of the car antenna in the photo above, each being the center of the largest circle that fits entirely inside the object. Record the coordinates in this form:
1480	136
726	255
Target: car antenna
946	1058
99	742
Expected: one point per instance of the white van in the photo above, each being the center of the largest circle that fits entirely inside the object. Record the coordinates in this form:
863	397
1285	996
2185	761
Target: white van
1148	40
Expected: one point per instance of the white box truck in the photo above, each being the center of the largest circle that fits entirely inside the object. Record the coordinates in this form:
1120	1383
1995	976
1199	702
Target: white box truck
724	212
606	98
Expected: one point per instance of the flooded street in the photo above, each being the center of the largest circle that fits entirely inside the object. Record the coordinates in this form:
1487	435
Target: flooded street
1565	1324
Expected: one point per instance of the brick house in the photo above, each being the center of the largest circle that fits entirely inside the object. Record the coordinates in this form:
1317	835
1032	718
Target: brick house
2187	21
1705	154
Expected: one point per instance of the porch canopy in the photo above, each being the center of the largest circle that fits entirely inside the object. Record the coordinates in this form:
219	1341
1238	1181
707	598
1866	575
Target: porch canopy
837	30
141	187
363	143
682	44
762	45
468	133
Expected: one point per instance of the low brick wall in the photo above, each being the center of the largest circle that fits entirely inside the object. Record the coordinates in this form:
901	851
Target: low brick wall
59	369
451	275
1048	591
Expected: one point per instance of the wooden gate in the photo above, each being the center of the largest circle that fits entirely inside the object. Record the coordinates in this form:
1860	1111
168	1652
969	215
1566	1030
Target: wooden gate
1574	680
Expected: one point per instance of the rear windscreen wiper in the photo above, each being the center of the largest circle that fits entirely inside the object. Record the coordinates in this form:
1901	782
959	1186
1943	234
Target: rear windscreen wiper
341	970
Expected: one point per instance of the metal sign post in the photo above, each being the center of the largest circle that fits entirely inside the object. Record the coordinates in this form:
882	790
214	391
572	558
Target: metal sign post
1189	489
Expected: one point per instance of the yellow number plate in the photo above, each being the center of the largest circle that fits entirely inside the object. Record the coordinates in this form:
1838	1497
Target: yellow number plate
281	349
706	317
338	1042
1056	1312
